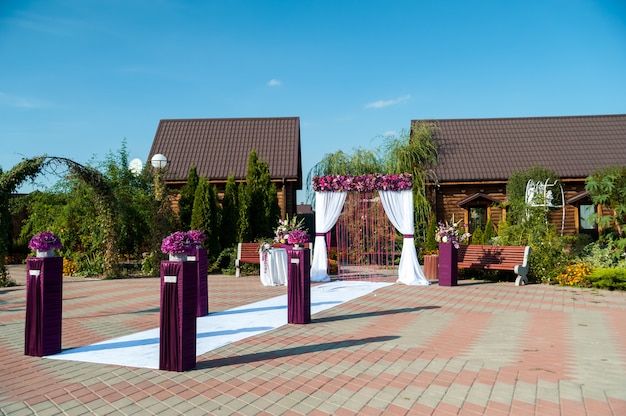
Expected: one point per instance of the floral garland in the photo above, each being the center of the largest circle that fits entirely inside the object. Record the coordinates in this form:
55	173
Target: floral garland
363	183
45	241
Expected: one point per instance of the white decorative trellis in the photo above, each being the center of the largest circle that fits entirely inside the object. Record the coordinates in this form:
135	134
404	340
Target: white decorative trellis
541	194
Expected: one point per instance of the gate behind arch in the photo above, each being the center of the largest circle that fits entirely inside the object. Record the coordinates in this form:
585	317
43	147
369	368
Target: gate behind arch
366	246
396	197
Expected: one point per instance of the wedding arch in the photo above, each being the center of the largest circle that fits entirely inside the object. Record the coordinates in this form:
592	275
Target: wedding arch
397	199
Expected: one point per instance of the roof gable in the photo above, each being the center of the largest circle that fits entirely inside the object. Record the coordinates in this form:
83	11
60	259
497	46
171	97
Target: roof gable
219	147
494	149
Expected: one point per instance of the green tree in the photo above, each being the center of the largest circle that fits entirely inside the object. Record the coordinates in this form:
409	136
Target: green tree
262	209
206	216
607	187
99	216
230	214
430	243
244	233
490	232
478	237
187	195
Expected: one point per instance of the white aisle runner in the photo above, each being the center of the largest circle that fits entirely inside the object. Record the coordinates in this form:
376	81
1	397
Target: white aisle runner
217	329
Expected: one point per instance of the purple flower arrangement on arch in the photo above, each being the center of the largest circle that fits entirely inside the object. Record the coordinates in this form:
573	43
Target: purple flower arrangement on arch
363	183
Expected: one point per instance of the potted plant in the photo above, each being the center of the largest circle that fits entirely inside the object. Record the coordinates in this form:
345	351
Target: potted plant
178	245
449	237
297	237
197	237
44	244
286	227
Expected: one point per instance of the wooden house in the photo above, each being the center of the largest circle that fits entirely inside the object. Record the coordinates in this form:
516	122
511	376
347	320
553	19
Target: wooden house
220	147
477	156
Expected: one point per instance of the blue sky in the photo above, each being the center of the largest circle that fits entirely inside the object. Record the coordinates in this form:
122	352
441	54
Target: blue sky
78	77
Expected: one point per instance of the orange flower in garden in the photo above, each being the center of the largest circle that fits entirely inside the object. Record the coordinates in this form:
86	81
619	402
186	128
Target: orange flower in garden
574	275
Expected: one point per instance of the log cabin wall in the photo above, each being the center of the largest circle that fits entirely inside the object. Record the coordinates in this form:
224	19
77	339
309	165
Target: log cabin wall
445	201
447	198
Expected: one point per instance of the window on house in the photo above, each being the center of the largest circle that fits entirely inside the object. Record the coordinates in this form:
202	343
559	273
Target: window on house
585	211
477	218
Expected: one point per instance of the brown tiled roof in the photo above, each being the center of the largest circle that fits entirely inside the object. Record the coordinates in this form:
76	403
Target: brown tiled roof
219	147
494	149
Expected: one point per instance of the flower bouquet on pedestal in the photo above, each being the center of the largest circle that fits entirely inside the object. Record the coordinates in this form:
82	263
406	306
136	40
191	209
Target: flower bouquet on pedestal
44	243
449	233
286	227
178	245
449	238
297	238
197	237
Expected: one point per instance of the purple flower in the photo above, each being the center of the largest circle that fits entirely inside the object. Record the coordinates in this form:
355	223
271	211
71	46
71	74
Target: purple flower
197	236
178	242
45	241
363	183
449	233
298	237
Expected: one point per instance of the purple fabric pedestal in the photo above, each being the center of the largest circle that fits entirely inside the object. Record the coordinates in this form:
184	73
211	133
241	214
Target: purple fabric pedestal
44	299
448	265
299	286
203	289
177	347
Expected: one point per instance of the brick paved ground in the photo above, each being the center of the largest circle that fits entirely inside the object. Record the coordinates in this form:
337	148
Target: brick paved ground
476	349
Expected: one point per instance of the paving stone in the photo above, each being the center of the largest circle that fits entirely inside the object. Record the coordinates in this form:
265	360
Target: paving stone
473	349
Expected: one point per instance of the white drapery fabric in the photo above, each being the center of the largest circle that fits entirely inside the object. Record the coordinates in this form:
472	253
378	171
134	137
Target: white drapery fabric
328	206
398	206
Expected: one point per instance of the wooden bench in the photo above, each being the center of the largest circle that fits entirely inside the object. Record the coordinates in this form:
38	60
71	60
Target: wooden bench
249	253
514	258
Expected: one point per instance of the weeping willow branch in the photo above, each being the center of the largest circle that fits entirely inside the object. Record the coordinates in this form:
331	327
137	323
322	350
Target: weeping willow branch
412	152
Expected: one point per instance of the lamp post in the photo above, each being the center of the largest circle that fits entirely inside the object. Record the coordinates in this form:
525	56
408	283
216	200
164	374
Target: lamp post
159	162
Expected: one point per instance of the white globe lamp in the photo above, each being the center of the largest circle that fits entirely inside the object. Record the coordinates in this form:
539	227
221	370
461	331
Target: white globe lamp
158	161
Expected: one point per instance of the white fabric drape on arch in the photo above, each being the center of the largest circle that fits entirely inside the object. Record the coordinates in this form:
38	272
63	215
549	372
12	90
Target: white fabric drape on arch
398	206
328	206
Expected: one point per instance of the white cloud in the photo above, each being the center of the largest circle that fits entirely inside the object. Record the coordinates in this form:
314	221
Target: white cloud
387	103
390	133
274	83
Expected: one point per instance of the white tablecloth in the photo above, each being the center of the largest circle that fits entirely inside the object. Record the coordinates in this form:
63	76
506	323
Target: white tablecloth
274	267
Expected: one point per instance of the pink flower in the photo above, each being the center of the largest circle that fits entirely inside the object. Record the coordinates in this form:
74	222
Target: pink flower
363	183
